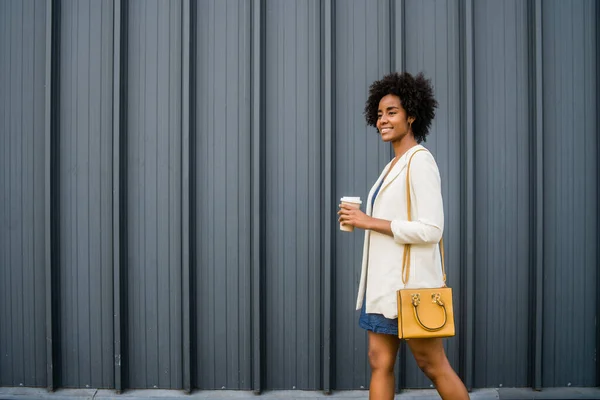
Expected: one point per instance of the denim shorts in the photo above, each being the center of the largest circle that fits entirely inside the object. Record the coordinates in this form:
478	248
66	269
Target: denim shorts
377	323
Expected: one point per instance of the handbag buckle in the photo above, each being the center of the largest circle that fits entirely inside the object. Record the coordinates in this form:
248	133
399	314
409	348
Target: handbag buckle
416	299
436	298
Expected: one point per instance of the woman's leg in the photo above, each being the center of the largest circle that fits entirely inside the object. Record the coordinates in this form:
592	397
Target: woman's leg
382	357
431	358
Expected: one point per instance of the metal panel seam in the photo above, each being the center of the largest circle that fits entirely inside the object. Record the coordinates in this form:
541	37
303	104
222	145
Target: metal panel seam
257	206
398	42
468	205
538	229
48	197
185	195
327	29
597	190
51	186
117	328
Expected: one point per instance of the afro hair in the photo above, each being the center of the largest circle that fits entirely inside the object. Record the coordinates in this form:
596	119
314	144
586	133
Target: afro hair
416	97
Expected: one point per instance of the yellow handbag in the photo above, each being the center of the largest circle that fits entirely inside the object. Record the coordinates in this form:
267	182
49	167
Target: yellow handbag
423	313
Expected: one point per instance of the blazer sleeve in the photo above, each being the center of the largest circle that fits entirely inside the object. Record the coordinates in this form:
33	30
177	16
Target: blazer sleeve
427	204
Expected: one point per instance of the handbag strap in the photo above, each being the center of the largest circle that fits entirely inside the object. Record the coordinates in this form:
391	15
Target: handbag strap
406	258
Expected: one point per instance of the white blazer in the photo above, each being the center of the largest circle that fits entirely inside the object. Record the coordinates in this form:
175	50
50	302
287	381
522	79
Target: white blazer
381	273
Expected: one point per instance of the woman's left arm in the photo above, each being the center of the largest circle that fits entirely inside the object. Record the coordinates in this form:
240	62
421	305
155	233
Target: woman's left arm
425	184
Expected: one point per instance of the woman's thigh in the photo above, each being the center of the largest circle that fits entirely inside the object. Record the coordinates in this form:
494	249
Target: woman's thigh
383	349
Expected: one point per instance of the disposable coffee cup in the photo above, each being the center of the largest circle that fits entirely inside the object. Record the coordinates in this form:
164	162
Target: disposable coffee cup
353	202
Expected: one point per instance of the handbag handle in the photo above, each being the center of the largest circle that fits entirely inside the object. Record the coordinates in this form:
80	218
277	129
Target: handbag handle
435	298
406	258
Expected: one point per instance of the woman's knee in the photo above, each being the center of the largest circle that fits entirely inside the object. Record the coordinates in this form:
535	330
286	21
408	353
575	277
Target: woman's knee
432	365
382	351
426	365
382	360
430	358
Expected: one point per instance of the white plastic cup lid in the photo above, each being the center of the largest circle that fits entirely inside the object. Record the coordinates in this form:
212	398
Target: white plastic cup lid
349	199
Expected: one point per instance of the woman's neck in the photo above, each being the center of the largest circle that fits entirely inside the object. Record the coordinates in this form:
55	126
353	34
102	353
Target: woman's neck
403	145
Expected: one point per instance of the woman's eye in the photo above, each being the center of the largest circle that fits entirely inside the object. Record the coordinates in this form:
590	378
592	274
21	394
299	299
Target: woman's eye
379	116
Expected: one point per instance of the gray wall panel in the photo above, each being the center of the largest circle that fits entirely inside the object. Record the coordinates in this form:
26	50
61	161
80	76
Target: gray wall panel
85	194
271	287
432	44
154	357
502	186
222	197
22	274
362	54
571	193
293	193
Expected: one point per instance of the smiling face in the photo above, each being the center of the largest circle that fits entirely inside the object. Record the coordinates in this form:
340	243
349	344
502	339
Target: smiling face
392	122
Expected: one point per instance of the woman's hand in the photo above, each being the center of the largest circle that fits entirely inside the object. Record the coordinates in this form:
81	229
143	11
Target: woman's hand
354	216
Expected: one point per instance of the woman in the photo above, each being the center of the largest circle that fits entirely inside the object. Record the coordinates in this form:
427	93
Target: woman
401	107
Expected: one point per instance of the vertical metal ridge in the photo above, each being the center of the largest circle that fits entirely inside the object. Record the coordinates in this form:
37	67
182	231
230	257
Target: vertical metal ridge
538	196
258	186
398	36
597	189
48	198
185	195
116	193
4	186
6	377
328	184
467	296
118	186
23	304
51	189
398	64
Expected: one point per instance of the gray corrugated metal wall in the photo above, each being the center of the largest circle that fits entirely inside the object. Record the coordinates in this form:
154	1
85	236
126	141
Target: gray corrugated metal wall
170	172
292	265
22	236
570	179
223	187
84	207
502	190
153	195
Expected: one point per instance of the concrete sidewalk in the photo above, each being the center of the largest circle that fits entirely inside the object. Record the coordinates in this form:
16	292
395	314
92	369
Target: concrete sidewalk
420	394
